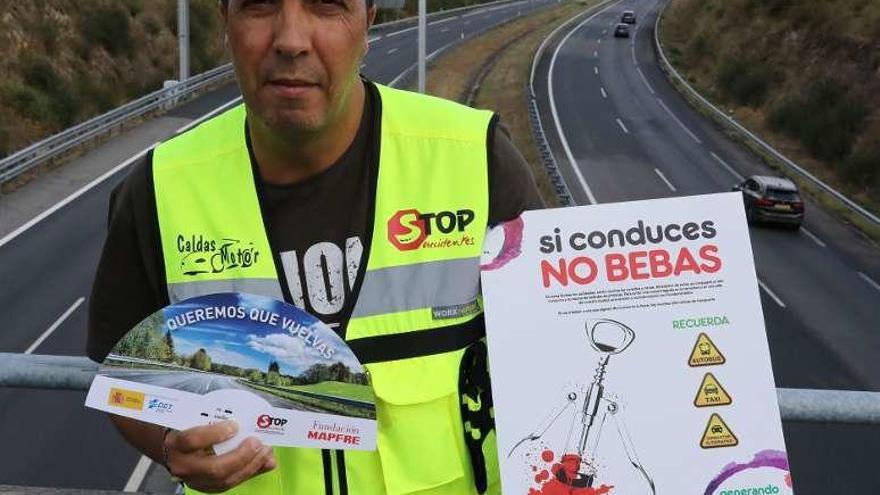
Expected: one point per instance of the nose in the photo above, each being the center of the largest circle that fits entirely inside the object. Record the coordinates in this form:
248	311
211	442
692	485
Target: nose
293	30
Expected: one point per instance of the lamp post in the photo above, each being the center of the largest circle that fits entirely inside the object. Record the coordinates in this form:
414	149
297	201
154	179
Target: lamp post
183	38
422	43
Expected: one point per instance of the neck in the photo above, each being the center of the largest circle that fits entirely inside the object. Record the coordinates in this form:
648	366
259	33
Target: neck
290	157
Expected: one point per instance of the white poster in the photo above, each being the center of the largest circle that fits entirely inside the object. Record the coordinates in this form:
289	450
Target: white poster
628	353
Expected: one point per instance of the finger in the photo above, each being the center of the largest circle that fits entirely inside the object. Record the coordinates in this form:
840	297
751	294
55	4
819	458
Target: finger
201	437
212	473
237	459
254	467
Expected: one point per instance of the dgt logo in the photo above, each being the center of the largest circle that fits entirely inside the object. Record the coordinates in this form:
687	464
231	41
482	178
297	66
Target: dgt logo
265	421
408	229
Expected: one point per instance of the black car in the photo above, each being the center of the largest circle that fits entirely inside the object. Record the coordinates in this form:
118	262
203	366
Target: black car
621	31
628	17
772	199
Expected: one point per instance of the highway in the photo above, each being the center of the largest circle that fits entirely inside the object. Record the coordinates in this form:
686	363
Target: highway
619	131
48	437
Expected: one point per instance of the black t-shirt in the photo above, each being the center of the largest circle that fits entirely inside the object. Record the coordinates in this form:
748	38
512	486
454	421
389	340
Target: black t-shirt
316	228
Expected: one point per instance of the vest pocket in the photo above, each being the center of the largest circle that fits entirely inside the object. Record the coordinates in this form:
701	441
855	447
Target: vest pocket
420	440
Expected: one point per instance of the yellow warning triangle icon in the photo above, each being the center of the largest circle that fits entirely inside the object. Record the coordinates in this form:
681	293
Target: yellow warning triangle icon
711	393
718	434
705	352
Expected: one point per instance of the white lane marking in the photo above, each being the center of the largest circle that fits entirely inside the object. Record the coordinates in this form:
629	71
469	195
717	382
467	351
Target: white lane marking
605	31
373	38
441	21
869	280
55	325
599	41
428	58
392	50
813	237
395	33
138	475
79	192
574	165
604	94
444	30
771	294
620	123
228	104
75	195
727	166
645	80
595	53
679	122
596	70
663	177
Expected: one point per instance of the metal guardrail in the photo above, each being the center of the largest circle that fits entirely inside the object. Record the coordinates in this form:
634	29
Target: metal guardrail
56	145
801	405
731	122
53	146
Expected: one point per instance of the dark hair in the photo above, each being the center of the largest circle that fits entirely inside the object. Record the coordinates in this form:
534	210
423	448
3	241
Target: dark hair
226	3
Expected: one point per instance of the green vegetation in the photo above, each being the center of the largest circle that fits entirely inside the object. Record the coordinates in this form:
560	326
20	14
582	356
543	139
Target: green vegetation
802	74
338	389
327	405
66	61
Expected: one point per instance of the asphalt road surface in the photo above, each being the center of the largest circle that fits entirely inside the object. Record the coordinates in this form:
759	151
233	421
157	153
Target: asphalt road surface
621	132
48	438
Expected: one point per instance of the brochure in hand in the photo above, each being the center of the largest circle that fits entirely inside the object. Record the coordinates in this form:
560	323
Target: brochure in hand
278	371
628	353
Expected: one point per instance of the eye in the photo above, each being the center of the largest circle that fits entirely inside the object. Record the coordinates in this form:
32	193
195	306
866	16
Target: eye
331	5
258	5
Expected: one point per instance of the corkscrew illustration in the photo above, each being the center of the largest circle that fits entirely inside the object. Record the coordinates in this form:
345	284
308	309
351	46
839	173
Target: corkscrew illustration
577	468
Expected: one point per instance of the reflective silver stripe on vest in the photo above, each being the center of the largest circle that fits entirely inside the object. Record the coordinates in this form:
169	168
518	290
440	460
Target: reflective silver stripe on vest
259	286
435	284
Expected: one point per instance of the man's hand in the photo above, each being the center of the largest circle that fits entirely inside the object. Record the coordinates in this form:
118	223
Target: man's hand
190	458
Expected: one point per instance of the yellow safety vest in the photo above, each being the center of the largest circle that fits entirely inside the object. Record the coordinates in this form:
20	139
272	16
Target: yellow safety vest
418	311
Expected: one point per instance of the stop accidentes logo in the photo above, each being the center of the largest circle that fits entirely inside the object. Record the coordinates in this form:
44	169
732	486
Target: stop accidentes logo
411	229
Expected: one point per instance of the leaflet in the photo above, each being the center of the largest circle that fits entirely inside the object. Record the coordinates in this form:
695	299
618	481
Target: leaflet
278	371
628	353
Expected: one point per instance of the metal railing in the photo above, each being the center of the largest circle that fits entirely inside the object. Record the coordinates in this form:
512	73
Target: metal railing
730	122
56	145
53	146
802	405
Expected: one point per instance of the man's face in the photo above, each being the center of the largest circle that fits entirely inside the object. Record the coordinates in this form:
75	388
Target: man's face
297	60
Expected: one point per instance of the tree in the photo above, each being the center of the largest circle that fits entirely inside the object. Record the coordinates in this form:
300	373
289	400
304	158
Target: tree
169	341
273	366
201	361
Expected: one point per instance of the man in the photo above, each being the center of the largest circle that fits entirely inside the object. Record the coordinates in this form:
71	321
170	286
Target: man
363	205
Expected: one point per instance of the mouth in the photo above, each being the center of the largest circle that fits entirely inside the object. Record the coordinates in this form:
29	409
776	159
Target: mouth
291	87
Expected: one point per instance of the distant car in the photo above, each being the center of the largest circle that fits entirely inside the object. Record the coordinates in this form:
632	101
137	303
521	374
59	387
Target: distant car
772	200
628	17
621	31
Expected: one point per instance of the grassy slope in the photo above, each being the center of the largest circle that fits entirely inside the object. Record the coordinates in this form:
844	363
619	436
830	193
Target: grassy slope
65	61
338	389
804	74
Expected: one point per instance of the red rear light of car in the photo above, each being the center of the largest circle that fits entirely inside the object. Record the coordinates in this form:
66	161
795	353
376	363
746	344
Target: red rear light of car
763	202
798	206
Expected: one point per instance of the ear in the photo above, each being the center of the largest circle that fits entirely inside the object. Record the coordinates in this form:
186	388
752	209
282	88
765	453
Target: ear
371	15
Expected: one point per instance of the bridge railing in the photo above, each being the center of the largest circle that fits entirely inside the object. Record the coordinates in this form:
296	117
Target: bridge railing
803	405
